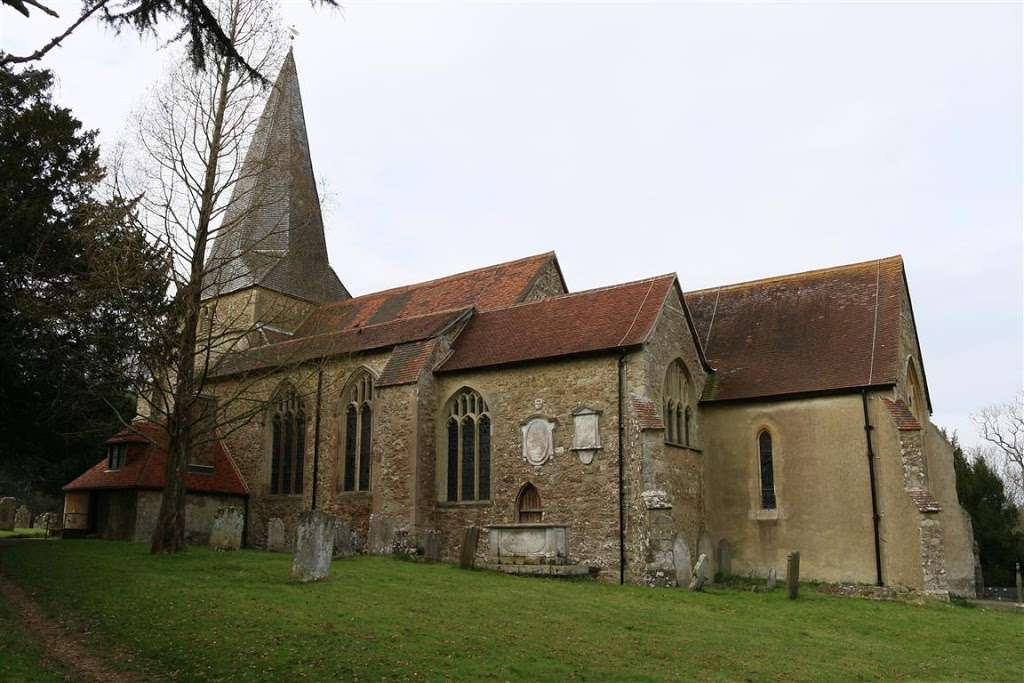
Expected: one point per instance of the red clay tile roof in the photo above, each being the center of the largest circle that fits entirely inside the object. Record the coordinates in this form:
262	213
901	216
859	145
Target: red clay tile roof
822	330
407	362
925	501
595	320
145	463
301	349
901	415
647	414
495	286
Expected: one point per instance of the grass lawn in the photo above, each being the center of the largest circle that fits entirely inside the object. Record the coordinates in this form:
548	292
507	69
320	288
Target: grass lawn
207	616
21	658
23	533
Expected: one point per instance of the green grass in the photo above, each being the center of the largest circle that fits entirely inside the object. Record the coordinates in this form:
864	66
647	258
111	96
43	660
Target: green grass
208	616
23	533
21	659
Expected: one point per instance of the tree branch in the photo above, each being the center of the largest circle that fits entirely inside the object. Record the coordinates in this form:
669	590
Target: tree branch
41	52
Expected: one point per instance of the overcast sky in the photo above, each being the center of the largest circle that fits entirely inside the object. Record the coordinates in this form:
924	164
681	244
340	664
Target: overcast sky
724	142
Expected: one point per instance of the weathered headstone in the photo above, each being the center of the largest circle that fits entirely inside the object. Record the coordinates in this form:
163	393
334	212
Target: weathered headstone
725	557
705	546
314	547
47	520
346	542
792	575
227	529
1020	588
772	578
382	534
8	508
276	542
470	540
432	545
700	573
681	560
23	518
979	578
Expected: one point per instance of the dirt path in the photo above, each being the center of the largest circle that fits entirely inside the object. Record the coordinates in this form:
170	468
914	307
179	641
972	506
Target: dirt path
59	641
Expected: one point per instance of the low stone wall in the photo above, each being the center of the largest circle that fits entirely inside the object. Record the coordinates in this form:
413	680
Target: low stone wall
893	593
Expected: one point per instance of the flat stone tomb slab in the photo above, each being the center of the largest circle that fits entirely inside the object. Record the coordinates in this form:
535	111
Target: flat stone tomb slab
528	544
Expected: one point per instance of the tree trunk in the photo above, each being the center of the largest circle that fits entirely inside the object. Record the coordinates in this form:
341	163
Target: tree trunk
169	534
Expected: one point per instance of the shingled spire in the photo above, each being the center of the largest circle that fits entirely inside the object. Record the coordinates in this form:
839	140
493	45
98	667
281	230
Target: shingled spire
273	233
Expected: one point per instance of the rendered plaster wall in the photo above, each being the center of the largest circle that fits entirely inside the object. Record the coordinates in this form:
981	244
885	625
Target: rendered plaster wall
821	485
200	510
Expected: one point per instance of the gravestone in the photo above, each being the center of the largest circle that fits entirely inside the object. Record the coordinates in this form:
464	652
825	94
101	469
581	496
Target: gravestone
23	518
470	540
700	573
681	559
792	575
227	529
8	507
47	520
1020	586
772	578
346	542
314	547
382	534
705	546
979	578
432	546
276	542
725	557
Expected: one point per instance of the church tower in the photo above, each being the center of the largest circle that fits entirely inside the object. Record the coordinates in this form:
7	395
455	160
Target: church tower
268	267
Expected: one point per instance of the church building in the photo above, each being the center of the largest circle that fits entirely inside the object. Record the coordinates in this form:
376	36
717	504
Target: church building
624	430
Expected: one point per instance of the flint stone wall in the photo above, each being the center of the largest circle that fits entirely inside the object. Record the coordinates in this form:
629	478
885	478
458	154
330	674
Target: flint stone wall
249	446
584	497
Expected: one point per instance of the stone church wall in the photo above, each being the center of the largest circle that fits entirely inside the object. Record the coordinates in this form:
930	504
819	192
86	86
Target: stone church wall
583	496
548	283
664	491
248	445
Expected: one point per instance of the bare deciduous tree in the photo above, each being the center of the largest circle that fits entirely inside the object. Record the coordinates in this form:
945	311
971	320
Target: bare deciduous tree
1002	425
188	169
200	24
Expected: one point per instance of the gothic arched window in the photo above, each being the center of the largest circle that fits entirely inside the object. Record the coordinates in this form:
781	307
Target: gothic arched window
468	432
358	432
766	459
287	441
677	396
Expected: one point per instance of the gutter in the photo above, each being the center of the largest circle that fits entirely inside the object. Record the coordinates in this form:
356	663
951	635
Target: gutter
875	517
622	494
316	434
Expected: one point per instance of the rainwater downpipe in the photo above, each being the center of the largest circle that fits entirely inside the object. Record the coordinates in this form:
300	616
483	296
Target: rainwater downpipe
316	434
875	518
622	493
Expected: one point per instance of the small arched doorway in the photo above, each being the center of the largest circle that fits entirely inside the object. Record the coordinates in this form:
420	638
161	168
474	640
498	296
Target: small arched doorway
528	506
